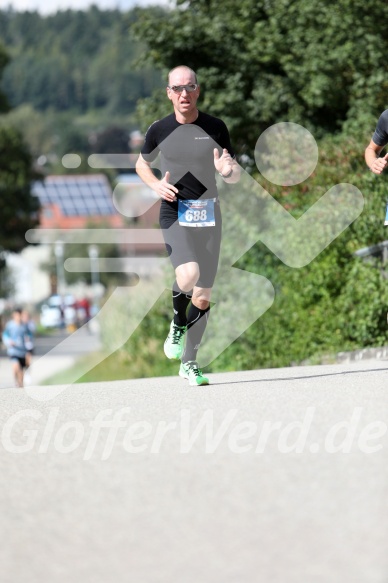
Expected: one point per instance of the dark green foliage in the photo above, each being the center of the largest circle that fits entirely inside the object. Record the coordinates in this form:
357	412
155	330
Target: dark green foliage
71	76
336	303
78	60
321	65
259	62
18	208
4	60
112	140
81	251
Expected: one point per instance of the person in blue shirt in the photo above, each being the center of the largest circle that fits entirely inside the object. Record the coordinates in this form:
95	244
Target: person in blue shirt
16	338
29	342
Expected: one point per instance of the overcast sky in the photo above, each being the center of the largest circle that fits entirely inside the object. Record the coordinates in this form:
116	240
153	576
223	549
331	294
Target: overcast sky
50	6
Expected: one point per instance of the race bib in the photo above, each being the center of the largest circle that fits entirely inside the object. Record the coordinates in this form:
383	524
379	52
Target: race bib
196	213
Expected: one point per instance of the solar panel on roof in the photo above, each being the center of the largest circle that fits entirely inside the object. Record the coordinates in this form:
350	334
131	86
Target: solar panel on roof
68	204
77	195
60	190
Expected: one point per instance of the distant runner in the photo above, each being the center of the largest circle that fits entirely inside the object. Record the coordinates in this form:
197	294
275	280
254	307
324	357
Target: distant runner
17	338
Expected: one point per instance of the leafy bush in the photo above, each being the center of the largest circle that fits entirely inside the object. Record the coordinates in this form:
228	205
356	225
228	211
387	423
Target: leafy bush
337	302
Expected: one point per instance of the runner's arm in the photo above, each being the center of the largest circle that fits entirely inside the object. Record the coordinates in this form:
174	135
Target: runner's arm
7	341
226	166
375	164
162	187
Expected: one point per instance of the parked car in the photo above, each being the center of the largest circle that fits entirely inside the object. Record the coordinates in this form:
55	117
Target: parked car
50	316
58	312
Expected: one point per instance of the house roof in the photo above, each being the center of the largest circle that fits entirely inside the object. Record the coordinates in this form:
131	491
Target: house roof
77	195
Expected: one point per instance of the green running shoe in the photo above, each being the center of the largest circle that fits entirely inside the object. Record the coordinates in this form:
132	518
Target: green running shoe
174	343
191	371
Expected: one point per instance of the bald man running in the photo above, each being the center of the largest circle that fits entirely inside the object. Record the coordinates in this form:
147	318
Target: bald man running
193	146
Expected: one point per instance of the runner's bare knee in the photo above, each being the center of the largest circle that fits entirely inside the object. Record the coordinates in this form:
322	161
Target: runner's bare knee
201	298
187	276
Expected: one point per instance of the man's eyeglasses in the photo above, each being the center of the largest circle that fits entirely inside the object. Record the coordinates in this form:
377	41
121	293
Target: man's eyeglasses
180	88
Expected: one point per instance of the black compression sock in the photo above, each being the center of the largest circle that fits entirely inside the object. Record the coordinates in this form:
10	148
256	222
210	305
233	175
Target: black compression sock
196	324
180	301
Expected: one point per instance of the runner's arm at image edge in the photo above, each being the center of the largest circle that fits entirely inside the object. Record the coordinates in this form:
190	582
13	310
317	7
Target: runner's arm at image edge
375	164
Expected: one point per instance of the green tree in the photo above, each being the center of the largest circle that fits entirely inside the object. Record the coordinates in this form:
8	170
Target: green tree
74	60
18	208
108	279
4	60
337	302
259	62
320	65
81	251
112	140
34	126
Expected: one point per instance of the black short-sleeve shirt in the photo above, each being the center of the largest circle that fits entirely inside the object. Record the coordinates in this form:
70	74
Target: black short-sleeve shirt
380	137
187	152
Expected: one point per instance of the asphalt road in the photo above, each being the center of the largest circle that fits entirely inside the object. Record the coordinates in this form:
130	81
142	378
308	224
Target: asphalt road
274	476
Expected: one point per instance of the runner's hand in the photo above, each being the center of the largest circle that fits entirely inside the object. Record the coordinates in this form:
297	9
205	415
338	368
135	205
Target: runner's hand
223	164
379	164
166	190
